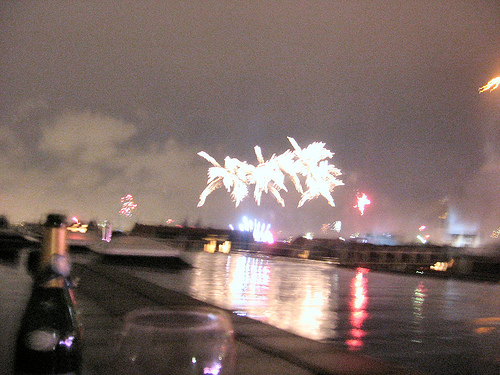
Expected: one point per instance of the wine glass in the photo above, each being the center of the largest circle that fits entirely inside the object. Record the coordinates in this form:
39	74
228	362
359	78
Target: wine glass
181	342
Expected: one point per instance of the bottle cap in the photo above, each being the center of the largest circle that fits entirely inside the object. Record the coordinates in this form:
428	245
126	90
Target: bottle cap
55	220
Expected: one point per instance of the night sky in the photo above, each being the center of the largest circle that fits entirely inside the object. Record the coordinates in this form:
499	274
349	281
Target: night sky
100	99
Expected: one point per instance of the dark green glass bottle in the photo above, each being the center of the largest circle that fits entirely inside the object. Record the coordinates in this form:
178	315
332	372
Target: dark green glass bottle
49	340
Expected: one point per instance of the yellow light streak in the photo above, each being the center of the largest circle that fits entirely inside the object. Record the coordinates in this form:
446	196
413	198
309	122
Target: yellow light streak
491	85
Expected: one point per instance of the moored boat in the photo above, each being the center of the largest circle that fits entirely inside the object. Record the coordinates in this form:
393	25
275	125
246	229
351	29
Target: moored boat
11	239
130	246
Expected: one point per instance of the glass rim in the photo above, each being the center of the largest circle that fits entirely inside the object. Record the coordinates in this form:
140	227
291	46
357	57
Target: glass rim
195	319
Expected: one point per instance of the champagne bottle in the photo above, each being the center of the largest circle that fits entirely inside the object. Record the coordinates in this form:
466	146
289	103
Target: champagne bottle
49	339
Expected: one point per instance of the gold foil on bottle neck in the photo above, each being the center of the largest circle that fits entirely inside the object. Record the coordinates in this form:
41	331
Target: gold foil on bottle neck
53	245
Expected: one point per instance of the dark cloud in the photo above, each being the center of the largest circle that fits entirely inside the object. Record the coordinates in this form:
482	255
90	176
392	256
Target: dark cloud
104	98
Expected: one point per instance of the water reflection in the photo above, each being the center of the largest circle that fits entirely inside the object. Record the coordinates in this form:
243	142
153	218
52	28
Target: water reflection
358	306
418	299
249	282
267	289
434	325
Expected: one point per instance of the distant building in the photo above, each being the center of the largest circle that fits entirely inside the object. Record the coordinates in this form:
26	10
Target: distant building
381	239
464	240
4	223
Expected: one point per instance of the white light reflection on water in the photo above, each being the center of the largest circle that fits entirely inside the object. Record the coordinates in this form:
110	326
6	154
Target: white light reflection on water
298	301
418	299
436	326
249	283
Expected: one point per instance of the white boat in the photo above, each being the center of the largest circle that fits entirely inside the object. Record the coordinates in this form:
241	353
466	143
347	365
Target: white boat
135	246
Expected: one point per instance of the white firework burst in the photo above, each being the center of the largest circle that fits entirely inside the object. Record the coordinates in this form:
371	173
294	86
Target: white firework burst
269	175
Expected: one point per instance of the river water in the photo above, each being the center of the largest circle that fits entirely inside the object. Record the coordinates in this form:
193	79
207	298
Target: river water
437	326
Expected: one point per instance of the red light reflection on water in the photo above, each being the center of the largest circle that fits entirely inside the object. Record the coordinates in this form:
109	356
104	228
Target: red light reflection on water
358	313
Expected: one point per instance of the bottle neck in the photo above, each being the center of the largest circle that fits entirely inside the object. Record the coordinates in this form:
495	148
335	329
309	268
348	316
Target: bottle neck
53	244
54	266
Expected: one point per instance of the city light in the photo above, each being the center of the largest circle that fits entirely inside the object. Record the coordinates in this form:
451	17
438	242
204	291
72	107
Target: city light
440	266
77	227
268	176
261	231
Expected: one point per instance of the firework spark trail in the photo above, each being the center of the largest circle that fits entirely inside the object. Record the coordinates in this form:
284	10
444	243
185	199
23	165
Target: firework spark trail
361	202
320	178
128	205
269	175
286	164
234	176
491	85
